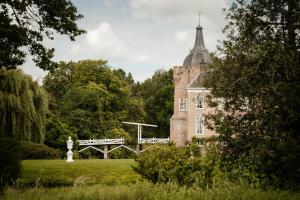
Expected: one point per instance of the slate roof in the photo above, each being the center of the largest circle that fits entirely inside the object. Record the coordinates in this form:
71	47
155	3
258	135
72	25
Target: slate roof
199	54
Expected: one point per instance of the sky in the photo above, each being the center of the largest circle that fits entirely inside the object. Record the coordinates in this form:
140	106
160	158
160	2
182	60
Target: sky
139	36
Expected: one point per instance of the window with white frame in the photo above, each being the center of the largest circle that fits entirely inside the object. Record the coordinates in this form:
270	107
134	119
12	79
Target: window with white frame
200	102
200	143
223	144
182	104
199	125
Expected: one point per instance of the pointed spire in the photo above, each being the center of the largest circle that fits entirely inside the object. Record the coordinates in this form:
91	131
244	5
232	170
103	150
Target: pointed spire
199	54
199	41
199	17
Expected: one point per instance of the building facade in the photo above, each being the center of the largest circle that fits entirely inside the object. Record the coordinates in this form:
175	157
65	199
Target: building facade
190	106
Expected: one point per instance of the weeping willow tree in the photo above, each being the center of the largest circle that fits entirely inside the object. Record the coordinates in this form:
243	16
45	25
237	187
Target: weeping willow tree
23	107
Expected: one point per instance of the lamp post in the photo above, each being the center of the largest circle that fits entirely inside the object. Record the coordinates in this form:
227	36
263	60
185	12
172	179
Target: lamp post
70	153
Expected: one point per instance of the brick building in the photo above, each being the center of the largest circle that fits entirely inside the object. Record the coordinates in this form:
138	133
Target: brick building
189	95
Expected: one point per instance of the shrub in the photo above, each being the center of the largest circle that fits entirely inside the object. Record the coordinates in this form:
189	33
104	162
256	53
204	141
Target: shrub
165	164
10	159
38	151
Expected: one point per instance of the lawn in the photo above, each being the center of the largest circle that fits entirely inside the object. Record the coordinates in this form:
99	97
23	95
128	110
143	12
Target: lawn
115	179
53	173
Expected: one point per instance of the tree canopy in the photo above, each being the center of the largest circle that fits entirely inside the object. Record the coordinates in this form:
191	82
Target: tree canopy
257	78
25	24
91	98
23	107
157	93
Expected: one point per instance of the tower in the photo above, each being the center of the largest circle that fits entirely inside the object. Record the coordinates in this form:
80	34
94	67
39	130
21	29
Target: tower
188	78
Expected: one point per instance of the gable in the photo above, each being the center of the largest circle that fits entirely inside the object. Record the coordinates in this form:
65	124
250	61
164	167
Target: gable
198	81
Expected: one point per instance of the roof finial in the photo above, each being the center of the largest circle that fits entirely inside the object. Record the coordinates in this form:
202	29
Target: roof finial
199	16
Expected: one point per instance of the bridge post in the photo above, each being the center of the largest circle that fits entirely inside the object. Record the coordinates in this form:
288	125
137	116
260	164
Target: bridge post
105	153
138	149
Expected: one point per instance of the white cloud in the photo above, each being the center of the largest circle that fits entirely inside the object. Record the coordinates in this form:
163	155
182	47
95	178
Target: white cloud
103	41
140	59
139	35
108	3
182	37
178	10
184	14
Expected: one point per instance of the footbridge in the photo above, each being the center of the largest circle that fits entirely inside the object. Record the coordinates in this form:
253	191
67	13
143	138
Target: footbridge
104	145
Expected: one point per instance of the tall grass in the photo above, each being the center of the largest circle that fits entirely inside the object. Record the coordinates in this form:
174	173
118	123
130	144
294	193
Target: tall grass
147	191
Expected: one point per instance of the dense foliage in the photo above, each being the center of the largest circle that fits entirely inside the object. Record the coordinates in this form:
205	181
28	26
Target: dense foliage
38	151
168	164
257	79
10	167
23	107
27	23
89	100
157	93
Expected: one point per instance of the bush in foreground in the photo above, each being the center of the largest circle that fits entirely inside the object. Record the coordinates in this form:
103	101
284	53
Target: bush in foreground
10	159
168	164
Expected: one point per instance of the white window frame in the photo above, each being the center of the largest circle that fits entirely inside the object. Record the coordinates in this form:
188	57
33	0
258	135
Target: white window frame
183	107
200	143
202	102
223	144
199	120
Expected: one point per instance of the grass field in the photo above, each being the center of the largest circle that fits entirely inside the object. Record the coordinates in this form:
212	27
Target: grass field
146	191
115	179
53	173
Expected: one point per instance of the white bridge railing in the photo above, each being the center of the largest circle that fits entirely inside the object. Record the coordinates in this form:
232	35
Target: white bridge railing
101	142
154	140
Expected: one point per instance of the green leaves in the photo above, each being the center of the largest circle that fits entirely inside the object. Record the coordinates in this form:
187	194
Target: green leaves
157	93
23	107
258	76
27	23
91	98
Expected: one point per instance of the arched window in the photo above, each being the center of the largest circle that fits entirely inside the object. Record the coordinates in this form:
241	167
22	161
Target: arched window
200	102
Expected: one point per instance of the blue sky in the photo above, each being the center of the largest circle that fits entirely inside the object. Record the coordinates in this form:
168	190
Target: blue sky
139	36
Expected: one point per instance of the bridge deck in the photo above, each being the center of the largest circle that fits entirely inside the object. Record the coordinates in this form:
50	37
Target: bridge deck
101	142
154	140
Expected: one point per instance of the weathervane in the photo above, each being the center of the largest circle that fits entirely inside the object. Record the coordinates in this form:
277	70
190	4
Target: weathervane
199	16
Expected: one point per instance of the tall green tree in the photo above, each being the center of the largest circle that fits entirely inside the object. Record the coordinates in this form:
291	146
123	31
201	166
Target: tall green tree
258	78
157	93
23	107
91	97
24	25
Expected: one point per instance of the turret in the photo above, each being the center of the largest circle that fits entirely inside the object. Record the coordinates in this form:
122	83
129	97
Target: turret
199	55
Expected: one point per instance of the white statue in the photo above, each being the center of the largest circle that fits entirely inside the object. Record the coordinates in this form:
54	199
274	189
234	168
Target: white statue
70	153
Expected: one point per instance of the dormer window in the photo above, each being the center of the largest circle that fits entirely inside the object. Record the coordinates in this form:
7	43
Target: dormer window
182	104
200	102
